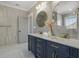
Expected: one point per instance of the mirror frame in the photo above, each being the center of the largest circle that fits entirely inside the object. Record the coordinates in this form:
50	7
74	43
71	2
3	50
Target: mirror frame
41	15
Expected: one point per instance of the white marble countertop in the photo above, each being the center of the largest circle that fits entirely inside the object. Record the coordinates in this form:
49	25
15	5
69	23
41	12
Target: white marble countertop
69	42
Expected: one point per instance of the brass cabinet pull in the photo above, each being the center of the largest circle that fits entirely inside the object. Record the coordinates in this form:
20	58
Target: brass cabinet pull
54	46
38	40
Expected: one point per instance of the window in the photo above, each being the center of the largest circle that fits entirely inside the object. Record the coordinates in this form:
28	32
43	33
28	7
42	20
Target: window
59	19
70	21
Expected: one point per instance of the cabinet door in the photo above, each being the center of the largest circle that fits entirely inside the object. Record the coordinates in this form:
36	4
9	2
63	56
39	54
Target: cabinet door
62	51
51	50
40	47
32	44
78	53
73	52
29	42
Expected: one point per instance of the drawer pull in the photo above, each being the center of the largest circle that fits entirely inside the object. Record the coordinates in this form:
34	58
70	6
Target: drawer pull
38	40
38	55
54	46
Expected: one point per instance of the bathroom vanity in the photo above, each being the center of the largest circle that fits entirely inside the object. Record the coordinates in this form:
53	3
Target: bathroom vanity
52	47
66	20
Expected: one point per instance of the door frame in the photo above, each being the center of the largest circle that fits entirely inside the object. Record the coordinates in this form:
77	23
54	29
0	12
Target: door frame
18	17
18	29
30	15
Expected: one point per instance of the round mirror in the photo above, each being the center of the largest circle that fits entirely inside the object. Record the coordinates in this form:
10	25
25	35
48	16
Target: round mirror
41	18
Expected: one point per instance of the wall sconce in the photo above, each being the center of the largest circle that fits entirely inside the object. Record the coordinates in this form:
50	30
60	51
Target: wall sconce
43	4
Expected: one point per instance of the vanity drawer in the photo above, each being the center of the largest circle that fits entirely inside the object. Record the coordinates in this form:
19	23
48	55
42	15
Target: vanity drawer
53	44
39	40
56	50
40	43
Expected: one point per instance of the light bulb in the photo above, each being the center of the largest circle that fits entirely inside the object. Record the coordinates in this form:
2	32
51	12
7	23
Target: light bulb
39	6
36	7
42	4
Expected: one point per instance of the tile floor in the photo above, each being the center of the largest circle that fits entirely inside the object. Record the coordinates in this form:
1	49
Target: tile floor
16	51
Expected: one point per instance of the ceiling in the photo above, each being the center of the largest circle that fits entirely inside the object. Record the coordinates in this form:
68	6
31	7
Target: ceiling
23	5
66	6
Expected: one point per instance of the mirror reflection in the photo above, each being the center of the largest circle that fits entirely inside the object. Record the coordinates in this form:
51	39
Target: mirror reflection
65	15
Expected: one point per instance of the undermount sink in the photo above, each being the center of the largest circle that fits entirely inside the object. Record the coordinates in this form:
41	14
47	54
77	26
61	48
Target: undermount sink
62	36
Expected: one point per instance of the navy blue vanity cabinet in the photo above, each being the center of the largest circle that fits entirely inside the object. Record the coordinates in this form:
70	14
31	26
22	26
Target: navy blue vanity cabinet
73	52
32	43
40	48
55	50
